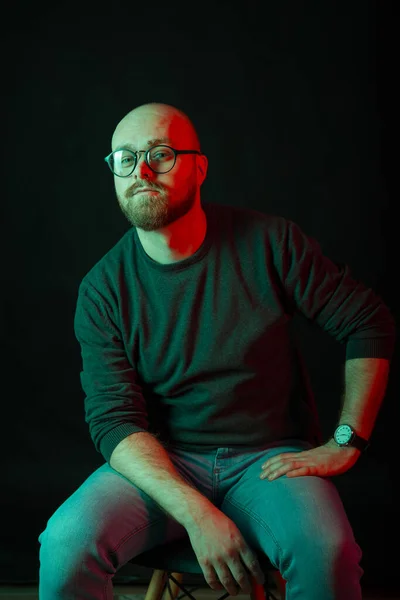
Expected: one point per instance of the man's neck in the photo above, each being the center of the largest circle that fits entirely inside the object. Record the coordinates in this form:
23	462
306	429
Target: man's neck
175	247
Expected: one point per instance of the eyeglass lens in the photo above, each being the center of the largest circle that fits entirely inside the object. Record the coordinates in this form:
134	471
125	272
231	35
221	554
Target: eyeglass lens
160	158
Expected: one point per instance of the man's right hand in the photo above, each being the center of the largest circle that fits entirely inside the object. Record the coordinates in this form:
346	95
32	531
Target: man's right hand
223	555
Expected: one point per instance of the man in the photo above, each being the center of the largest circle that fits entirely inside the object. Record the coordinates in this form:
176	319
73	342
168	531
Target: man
195	394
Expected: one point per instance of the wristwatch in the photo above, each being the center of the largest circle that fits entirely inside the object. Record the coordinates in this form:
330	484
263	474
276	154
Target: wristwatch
346	436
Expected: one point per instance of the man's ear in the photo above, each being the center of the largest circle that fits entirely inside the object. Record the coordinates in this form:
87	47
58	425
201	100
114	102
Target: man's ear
202	166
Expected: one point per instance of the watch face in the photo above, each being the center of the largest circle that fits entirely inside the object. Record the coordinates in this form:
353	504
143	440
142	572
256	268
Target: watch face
343	434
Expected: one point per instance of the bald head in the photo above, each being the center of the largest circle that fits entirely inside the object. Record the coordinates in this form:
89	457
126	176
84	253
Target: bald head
154	121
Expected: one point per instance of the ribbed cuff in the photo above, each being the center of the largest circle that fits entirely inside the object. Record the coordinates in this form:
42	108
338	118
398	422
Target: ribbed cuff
111	440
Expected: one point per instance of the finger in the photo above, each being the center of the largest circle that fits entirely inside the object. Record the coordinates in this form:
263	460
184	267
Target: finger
285	464
304	471
211	577
251	562
240	574
227	579
279	457
278	470
299	472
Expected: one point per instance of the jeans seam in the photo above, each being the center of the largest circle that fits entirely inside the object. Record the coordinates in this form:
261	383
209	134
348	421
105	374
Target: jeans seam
214	480
114	551
262	523
108	577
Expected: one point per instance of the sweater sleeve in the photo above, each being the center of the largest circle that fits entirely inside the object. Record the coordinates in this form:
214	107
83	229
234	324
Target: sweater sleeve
326	294
114	404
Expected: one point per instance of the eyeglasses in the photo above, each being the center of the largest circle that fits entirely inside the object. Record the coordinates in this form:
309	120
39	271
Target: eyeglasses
160	159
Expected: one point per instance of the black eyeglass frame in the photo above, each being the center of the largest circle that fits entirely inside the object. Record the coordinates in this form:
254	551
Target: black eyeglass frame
146	156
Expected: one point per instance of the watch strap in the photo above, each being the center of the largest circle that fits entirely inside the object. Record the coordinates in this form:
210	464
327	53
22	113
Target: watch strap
359	443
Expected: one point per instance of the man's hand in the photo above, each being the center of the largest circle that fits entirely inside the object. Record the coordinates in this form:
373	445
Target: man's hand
323	461
223	555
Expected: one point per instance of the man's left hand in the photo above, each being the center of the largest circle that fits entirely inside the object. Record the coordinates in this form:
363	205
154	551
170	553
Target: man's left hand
323	461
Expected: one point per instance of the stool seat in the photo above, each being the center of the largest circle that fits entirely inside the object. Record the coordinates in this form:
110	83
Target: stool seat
180	556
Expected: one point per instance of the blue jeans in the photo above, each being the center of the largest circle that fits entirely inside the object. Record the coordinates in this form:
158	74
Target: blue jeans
299	523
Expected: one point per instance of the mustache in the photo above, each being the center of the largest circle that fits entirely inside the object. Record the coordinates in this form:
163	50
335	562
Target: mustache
137	187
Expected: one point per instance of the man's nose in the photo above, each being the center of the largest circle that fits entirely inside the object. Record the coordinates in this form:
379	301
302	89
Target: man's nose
142	168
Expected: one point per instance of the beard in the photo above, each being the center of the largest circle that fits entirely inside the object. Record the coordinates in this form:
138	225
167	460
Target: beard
150	212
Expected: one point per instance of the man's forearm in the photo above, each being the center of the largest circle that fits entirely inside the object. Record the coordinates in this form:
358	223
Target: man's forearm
364	389
144	461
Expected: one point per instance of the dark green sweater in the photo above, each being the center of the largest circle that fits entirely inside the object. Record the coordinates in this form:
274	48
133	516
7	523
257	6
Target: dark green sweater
199	352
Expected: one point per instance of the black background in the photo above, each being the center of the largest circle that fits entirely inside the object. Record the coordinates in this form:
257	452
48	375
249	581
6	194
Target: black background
303	93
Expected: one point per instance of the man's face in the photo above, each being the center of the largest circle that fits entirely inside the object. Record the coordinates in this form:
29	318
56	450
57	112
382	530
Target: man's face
172	194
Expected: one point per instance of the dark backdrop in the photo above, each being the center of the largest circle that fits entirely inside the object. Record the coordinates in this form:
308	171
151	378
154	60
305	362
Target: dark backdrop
303	94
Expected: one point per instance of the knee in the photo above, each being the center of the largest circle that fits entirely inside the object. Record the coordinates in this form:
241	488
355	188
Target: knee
63	540
63	551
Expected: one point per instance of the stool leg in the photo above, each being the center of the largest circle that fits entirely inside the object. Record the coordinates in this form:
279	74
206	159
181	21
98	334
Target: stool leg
156	585
257	590
280	584
174	588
